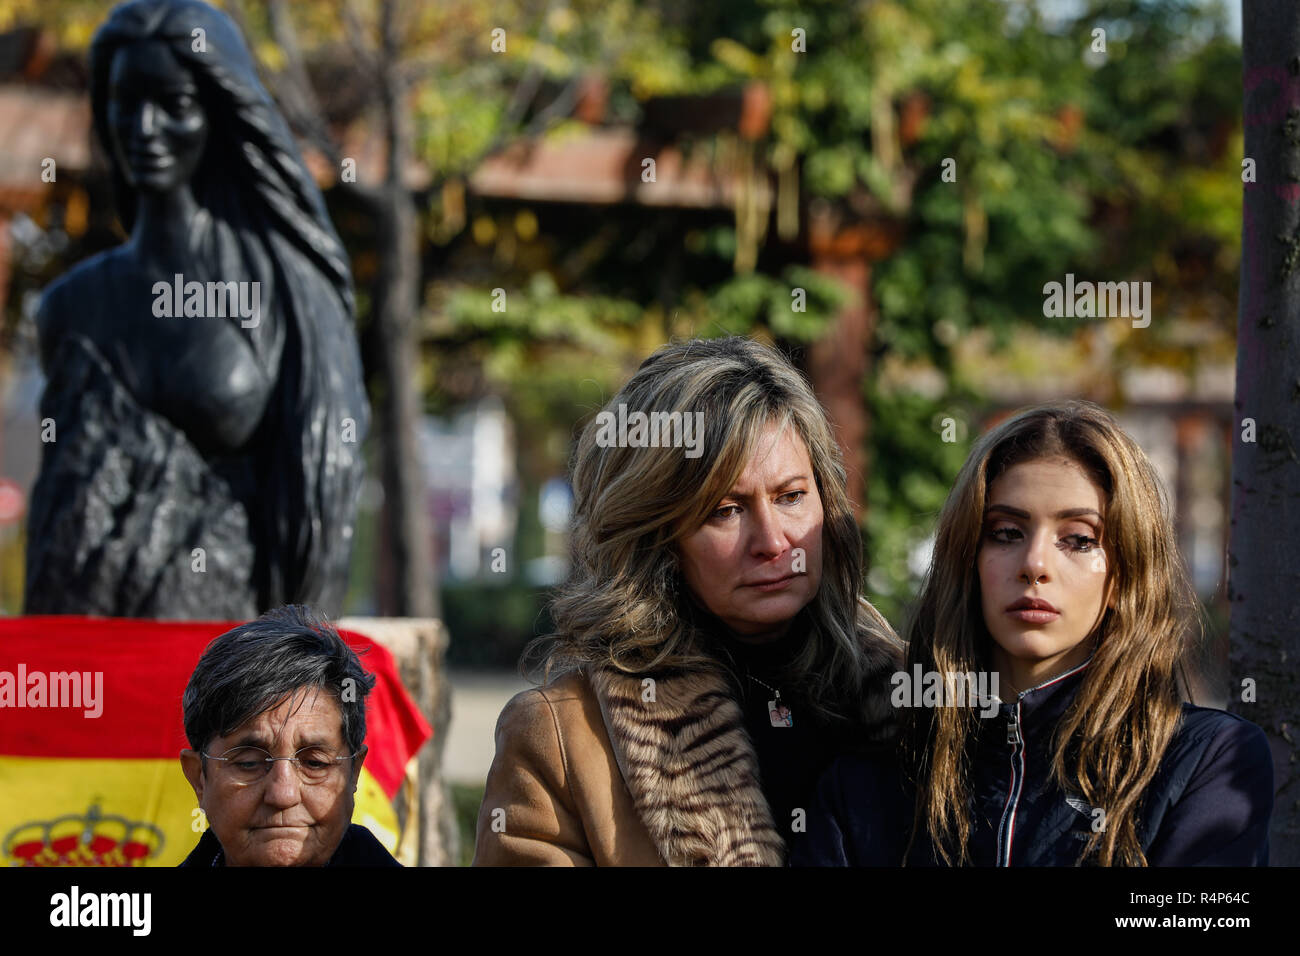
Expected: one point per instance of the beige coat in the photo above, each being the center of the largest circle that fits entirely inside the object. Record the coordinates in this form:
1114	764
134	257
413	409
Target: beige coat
680	788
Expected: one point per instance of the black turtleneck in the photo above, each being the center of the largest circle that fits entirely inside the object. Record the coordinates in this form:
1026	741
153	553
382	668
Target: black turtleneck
790	759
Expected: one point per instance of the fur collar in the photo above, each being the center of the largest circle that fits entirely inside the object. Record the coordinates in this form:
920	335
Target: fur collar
680	742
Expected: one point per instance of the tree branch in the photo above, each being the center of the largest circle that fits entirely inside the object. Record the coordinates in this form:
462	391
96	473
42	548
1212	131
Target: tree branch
298	98
298	86
353	29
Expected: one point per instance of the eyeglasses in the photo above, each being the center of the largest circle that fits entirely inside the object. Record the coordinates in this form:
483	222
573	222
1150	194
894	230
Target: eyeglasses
247	765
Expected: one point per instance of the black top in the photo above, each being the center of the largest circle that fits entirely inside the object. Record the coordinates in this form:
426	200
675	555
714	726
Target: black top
1207	805
357	848
790	758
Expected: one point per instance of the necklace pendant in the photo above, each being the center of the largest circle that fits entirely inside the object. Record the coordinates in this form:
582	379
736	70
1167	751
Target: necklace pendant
779	713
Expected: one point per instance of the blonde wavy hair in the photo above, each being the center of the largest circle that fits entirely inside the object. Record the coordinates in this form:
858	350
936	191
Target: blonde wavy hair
1110	740
624	604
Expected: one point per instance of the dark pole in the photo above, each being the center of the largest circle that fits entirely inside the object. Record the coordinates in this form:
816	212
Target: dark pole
1264	553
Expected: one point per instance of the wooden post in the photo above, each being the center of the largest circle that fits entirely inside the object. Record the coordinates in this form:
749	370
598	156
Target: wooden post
839	362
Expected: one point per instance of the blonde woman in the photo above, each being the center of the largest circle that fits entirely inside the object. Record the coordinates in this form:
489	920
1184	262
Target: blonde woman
712	651
1055	573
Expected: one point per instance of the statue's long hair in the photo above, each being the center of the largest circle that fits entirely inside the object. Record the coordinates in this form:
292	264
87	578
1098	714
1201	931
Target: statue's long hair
269	225
1109	743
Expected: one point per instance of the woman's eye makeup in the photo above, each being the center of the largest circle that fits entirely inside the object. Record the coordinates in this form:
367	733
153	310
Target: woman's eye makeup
1082	542
725	511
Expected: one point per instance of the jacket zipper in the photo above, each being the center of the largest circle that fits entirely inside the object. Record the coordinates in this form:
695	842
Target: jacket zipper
1016	737
1006	828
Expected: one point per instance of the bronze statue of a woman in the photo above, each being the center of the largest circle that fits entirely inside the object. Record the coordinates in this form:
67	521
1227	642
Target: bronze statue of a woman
204	395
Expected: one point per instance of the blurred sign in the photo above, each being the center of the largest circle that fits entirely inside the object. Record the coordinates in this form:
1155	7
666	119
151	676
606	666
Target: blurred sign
12	501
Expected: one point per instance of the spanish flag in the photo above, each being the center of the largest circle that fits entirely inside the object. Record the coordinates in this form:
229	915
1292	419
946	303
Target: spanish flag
91	734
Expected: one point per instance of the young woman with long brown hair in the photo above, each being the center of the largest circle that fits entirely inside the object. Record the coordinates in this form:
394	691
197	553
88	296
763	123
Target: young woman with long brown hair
1056	576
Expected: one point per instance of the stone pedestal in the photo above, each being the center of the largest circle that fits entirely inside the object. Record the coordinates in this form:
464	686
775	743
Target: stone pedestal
419	646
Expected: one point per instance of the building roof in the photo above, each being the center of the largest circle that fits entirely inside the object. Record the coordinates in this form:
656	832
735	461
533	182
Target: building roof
36	125
604	165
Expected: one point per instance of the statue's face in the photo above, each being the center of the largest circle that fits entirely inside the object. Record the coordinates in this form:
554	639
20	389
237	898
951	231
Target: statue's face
157	125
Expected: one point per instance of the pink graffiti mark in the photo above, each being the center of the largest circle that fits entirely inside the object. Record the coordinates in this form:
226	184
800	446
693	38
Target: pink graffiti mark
1288	94
1259	261
1287	192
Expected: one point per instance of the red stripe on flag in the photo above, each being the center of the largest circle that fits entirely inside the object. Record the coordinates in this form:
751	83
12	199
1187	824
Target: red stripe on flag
395	728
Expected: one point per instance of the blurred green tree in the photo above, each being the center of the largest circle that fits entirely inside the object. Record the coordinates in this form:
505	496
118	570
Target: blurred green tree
997	145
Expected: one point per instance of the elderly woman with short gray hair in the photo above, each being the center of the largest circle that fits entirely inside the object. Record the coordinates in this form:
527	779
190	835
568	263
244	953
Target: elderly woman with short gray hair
275	713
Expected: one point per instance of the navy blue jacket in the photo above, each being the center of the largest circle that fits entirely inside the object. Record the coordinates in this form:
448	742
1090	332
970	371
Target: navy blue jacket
1208	804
